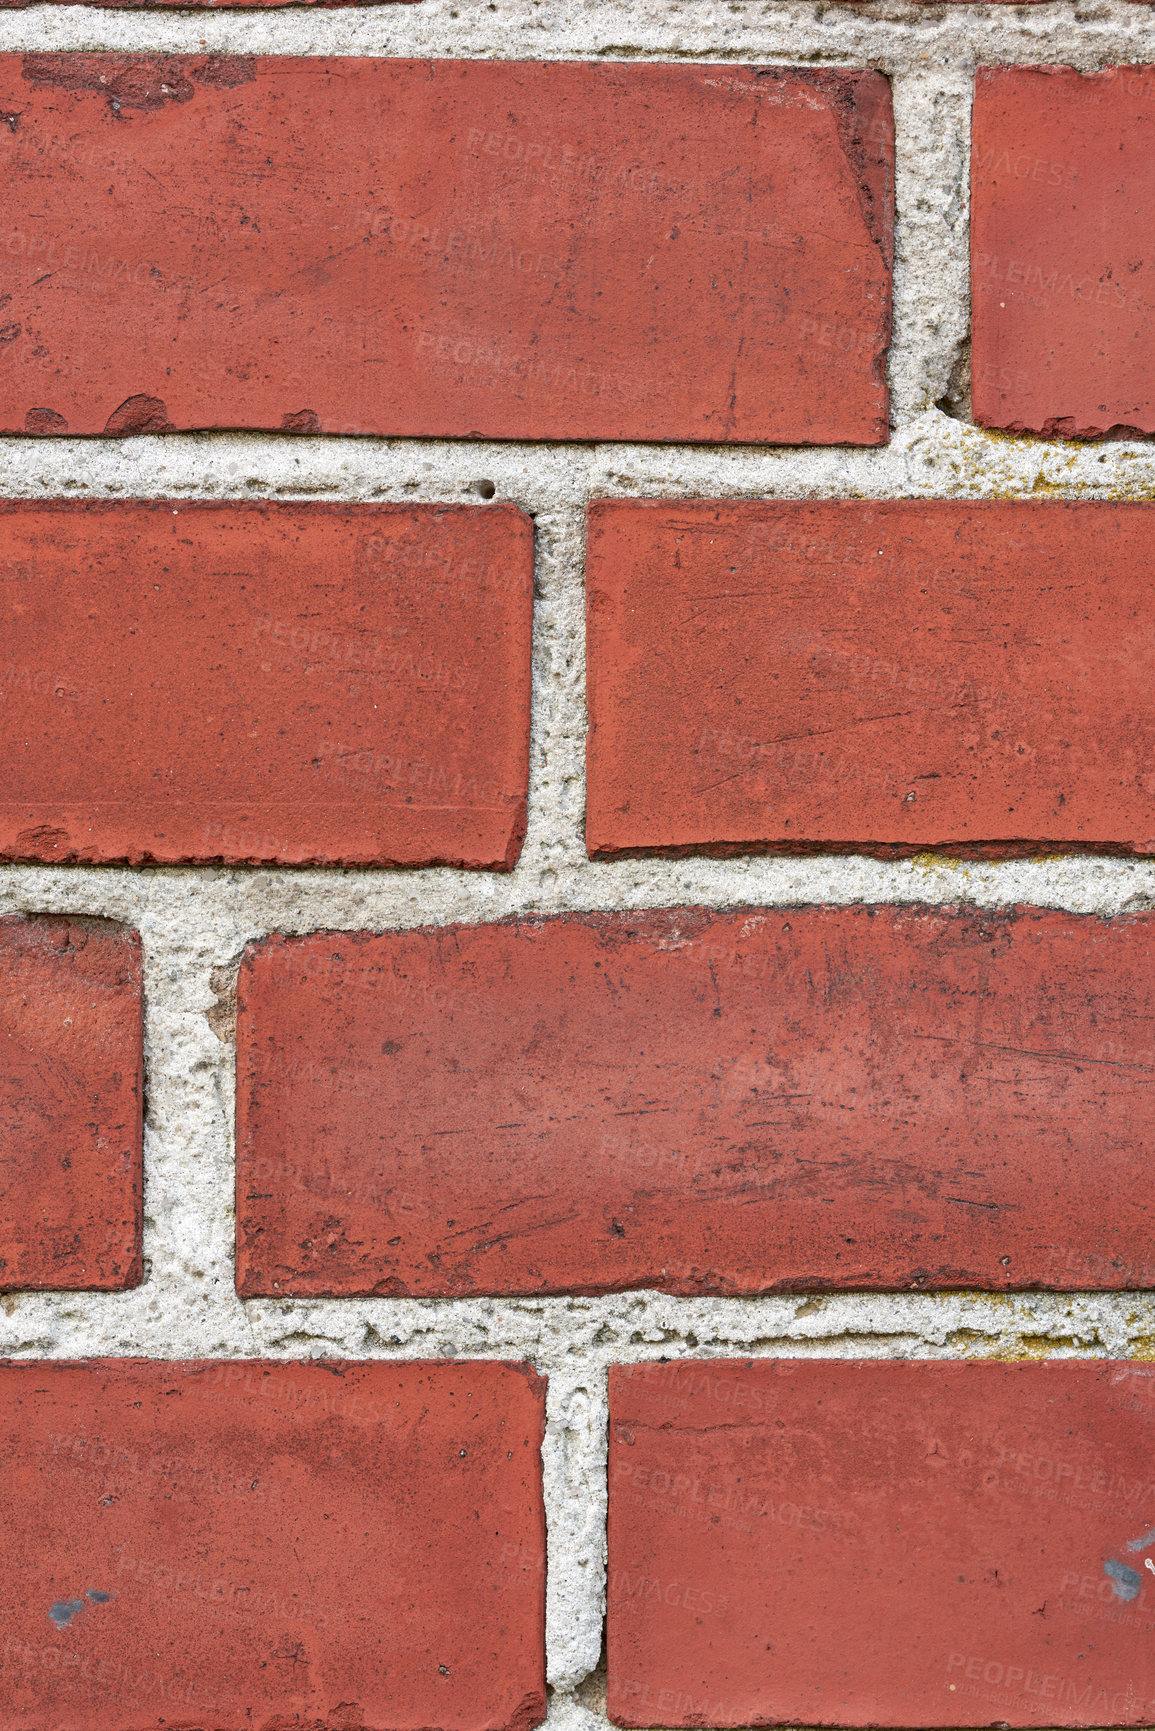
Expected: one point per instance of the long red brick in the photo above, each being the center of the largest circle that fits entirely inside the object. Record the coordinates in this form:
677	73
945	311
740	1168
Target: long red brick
187	5
457	248
239	1544
330	683
71	1059
1063	282
878	678
841	1543
700	1102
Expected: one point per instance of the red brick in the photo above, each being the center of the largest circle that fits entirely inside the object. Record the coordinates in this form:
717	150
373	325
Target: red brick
877	678
841	1543
299	1545
328	683
187	5
1062	209
564	251
71	1042
847	1097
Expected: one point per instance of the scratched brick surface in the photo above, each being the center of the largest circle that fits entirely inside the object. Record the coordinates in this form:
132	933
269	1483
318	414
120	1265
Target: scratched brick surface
457	248
70	1104
243	1544
700	1102
146	5
979	1534
869	677
265	682
1063	192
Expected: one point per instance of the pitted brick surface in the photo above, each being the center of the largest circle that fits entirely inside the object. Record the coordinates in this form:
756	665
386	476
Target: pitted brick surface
556	251
240	1544
697	1102
911	1489
71	1104
266	682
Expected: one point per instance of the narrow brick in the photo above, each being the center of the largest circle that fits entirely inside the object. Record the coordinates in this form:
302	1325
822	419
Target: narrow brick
187	5
1062	210
71	1038
292	683
237	1544
561	251
699	1102
877	678
854	1544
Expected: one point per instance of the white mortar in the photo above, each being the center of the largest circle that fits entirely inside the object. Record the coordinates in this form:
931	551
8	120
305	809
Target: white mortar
195	922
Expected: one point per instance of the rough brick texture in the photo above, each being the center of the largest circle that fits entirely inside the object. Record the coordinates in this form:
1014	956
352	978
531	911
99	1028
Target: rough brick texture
189	5
239	1544
534	263
875	678
1063	278
70	1104
881	1544
265	682
697	1101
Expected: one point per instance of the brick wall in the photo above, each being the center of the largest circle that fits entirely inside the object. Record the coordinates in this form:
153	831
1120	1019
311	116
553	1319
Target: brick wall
761	1084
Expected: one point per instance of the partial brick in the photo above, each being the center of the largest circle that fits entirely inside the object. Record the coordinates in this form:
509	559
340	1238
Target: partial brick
561	251
292	683
292	1544
854	1544
870	677
699	1102
1062	269
188	5
71	1058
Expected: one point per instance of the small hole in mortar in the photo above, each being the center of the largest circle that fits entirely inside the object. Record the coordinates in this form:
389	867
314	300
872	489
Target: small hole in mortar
485	488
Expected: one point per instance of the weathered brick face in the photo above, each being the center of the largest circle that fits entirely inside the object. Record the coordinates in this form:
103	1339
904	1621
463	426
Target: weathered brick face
869	677
532	265
1062	277
813	1098
71	1118
577	856
210	1540
289	682
913	1489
